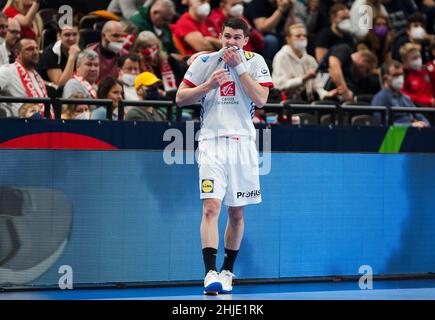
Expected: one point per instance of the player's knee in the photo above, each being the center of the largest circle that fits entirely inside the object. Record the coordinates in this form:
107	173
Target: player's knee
235	215
211	209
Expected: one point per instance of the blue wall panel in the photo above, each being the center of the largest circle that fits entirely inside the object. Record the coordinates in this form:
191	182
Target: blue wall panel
137	219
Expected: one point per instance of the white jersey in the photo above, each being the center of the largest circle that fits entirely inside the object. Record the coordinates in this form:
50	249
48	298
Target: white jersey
227	110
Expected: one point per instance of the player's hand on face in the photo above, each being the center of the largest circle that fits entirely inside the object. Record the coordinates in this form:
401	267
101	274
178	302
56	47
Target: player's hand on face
231	57
219	77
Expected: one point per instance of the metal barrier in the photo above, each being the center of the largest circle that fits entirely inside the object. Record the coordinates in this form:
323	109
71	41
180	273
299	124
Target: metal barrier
394	110
284	110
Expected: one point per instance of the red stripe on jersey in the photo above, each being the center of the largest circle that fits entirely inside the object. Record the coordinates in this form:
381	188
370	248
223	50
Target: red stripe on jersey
189	83
267	84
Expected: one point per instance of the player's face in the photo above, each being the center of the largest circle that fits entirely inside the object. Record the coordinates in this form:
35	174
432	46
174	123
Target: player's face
233	37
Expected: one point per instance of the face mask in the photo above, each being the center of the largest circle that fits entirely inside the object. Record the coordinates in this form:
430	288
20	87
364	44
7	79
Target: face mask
128	79
416	64
418	33
83	116
152	94
345	26
381	31
301	44
115	47
203	10
236	11
397	82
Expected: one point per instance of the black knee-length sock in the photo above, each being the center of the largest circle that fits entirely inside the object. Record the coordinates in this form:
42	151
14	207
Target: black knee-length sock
230	258
209	256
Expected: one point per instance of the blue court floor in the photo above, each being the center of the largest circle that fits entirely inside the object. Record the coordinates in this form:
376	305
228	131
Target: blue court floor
423	289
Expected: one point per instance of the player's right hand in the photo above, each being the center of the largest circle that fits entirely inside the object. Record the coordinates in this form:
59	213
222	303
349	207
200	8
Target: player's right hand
219	77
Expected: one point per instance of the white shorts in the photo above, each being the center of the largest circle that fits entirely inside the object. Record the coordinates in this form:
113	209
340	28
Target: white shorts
228	170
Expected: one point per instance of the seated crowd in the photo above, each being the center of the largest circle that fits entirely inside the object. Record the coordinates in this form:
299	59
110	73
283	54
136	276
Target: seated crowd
134	50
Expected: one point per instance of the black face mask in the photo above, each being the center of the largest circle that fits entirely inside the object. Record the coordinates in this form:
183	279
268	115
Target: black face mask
152	94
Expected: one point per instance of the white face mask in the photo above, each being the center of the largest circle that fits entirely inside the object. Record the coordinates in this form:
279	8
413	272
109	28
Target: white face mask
115	47
418	33
236	11
203	10
83	116
301	44
416	64
128	79
345	26
397	82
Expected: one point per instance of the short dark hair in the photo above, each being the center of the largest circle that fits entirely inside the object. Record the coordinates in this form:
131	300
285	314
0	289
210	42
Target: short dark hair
416	17
335	9
385	69
236	23
105	85
19	45
122	60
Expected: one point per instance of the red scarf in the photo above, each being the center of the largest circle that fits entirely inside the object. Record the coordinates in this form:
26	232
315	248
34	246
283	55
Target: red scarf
87	85
28	84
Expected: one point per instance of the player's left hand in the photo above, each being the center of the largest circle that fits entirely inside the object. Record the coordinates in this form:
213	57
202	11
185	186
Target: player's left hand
232	57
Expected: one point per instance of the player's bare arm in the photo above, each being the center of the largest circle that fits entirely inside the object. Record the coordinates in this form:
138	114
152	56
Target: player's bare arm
256	92
188	96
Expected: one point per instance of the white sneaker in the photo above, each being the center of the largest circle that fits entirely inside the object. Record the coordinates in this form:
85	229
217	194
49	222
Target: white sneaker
212	284
226	278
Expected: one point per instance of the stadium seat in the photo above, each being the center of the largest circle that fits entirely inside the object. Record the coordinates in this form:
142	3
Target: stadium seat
363	120
306	118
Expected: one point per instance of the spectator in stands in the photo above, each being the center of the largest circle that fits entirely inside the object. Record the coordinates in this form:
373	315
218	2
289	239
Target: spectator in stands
338	33
235	8
109	88
76	111
4	58
362	19
391	96
131	32
124	8
294	71
26	13
12	36
129	69
399	11
271	18
84	80
419	85
156	18
20	79
58	60
415	33
379	39
29	110
352	72
194	31
110	49
147	86
154	59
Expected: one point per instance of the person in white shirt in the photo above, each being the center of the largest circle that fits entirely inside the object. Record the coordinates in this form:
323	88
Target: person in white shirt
129	69
84	80
294	71
20	79
4	57
12	37
229	83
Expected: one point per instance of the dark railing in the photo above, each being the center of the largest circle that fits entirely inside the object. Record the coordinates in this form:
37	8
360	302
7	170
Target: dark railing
284	110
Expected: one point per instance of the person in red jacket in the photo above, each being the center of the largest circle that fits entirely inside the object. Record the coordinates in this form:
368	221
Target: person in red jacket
419	81
235	8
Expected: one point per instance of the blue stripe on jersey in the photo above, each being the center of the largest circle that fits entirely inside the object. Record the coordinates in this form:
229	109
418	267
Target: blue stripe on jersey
201	112
252	109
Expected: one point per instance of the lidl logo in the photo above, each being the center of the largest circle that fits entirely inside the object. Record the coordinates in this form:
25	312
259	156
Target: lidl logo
248	55
207	186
